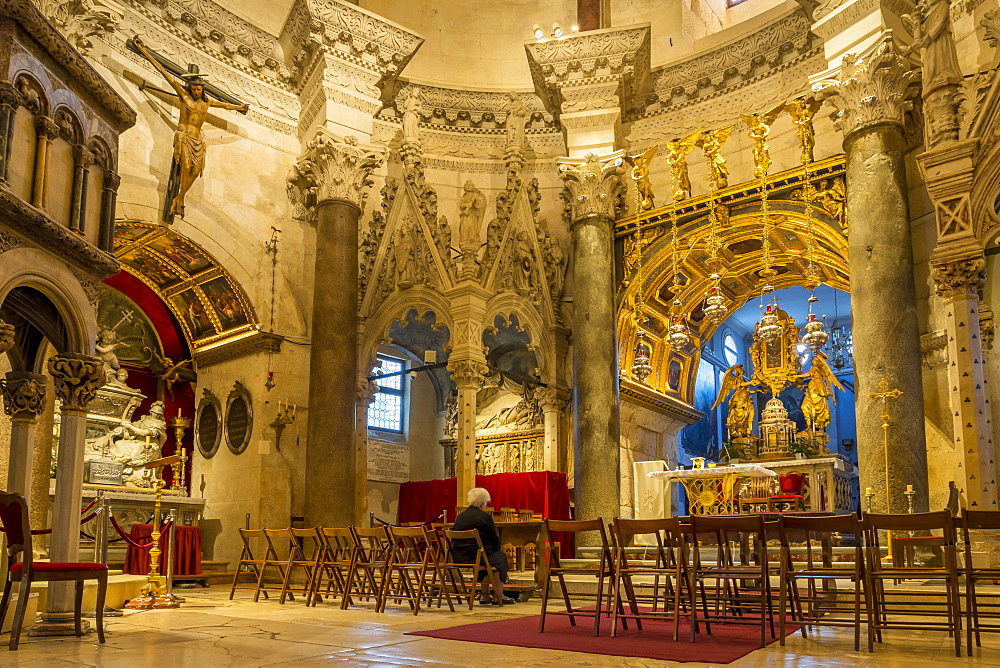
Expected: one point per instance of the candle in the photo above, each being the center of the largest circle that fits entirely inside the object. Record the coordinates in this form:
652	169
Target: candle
180	412
869	491
909	489
293	409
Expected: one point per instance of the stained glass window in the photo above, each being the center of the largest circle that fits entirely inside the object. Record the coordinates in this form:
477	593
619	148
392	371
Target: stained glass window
386	411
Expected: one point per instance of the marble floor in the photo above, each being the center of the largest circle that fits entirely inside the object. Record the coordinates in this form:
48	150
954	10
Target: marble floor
209	631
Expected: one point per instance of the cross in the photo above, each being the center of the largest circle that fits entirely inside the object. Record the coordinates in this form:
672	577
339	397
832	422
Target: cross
884	394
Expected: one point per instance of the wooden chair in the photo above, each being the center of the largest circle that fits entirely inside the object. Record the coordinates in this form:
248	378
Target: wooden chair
272	538
979	613
247	560
14	516
913	604
301	542
413	569
455	571
555	569
732	602
819	566
669	593
366	575
336	556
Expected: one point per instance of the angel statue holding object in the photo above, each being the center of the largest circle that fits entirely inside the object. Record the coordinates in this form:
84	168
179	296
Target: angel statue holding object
802	109
677	152
640	174
711	144
739	419
759	126
820	382
189	145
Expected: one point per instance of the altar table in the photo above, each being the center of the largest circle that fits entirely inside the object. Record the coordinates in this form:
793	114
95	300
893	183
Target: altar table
187	558
710	490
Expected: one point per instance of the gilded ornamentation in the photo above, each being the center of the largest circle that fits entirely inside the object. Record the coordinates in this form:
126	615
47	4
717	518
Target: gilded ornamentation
830	195
677	152
331	169
776	363
23	393
711	143
871	89
759	126
802	109
6	336
77	378
819	384
640	175
740	412
961	278
595	186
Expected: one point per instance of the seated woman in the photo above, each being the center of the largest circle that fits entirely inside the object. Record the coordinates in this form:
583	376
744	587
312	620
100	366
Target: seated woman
474	517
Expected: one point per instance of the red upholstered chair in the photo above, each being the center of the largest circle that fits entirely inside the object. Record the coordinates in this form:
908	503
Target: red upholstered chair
791	496
14	516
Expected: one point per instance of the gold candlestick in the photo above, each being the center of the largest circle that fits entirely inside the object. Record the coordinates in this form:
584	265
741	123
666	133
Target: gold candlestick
180	425
154	593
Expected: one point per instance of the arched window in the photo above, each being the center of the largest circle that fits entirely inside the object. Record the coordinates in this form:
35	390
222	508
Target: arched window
729	350
386	412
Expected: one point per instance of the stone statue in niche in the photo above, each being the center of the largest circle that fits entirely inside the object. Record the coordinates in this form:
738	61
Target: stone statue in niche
409	109
451	415
522	264
405	254
471	209
517	115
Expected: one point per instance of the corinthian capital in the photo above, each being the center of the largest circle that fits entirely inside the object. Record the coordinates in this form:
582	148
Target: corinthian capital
595	186
23	393
367	389
468	374
331	169
959	278
552	398
77	378
871	88
6	336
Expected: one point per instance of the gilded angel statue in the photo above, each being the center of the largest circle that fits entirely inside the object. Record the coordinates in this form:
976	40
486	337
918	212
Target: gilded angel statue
739	419
640	174
711	143
759	126
677	152
819	384
802	109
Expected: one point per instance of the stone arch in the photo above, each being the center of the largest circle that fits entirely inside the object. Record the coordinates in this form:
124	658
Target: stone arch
34	95
420	298
542	341
70	126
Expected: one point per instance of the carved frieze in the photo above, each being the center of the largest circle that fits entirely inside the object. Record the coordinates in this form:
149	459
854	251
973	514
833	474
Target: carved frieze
331	169
81	20
77	378
595	187
871	88
23	393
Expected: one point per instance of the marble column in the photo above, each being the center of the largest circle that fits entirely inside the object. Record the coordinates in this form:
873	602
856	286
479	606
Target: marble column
869	95
83	159
109	199
468	376
77	378
47	131
595	191
328	186
41	466
551	400
10	100
366	391
959	283
23	401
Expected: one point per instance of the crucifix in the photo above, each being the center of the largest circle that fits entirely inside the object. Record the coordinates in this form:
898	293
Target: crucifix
885	394
189	146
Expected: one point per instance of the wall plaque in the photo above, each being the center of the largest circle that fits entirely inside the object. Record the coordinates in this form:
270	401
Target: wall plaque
99	472
388	462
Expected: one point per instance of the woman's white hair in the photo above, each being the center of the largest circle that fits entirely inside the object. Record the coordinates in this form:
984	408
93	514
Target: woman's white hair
478	497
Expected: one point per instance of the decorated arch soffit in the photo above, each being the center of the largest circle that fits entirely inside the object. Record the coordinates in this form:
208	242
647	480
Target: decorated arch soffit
739	232
214	312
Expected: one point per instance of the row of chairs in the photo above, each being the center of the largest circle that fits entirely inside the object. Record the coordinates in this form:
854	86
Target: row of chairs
403	564
720	570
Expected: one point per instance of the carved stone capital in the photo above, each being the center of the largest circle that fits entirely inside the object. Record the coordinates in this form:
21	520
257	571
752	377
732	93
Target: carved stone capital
552	398
77	378
595	186
84	158
46	127
6	336
331	169
870	89
959	278
468	374
9	97
23	394
111	180
367	389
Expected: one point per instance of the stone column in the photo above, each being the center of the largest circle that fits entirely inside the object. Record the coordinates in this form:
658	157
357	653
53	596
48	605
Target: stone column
366	391
41	465
869	96
83	159
77	378
47	131
10	100
551	400
109	198
328	186
23	400
595	193
468	375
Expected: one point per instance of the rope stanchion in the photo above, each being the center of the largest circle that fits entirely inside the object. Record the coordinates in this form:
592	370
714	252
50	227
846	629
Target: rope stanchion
89	506
41	532
128	538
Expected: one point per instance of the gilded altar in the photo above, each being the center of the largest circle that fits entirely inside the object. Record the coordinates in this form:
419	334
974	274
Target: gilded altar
828	483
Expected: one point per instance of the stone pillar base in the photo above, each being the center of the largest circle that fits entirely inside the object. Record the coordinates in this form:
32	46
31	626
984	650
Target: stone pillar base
57	624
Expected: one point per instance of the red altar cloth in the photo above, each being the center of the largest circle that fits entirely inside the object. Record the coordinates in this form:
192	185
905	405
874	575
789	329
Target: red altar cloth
545	492
187	559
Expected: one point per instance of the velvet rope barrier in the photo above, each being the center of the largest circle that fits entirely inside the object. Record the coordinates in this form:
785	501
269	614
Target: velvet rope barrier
134	543
39	532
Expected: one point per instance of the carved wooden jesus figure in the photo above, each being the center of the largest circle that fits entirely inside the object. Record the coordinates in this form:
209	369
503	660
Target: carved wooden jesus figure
189	146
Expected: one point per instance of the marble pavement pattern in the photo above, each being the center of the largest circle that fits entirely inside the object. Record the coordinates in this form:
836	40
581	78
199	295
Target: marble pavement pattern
211	631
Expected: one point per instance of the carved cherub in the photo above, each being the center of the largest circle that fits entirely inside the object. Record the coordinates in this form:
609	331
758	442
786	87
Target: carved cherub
802	109
711	143
677	152
640	174
759	126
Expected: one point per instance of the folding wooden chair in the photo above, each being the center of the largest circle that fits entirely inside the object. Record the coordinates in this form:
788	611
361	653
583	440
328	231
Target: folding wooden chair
555	569
247	560
822	606
336	557
413	569
668	593
272	559
455	571
981	616
304	548
908	604
740	543
367	571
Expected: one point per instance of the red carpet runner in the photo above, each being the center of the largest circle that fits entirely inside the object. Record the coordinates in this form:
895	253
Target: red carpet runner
727	643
